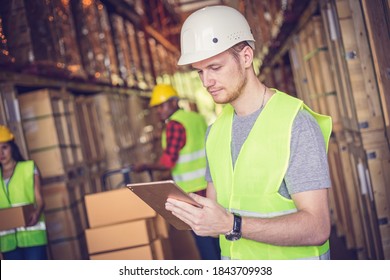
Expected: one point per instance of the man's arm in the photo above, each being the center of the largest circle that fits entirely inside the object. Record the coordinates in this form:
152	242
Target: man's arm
176	139
310	225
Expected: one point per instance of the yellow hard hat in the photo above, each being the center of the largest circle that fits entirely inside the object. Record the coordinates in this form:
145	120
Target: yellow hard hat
162	93
5	134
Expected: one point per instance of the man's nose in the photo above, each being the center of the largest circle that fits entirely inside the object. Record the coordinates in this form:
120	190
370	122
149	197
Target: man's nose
207	80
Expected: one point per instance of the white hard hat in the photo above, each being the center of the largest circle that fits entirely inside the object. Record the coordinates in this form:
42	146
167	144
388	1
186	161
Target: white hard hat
211	31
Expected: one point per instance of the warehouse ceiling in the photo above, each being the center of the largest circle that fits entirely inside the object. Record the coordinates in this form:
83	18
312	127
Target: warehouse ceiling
271	20
188	6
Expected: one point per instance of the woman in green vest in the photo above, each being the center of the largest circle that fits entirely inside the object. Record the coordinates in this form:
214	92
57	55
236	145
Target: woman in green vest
268	177
20	185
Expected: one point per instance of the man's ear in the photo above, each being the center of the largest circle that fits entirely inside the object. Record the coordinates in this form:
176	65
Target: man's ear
247	53
175	102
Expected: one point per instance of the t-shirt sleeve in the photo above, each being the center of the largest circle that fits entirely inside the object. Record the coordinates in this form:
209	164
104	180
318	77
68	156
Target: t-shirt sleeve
308	166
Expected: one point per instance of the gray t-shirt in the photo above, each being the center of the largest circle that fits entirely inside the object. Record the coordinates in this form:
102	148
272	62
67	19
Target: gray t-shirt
308	166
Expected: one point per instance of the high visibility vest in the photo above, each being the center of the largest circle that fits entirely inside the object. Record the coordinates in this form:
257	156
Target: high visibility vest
21	192
190	168
251	188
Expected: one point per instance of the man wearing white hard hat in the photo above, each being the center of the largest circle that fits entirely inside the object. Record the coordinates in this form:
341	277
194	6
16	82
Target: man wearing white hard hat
267	172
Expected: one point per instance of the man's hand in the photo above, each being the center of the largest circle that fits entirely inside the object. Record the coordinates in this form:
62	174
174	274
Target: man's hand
211	220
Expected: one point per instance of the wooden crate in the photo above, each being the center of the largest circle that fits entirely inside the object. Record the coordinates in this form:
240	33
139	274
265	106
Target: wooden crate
145	56
297	66
91	40
303	47
379	164
369	186
339	67
346	209
90	130
113	64
376	17
154	56
320	72
113	122
41	38
124	53
363	94
311	58
118	136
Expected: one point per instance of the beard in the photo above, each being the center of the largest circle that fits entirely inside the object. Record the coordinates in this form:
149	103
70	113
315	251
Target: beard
232	95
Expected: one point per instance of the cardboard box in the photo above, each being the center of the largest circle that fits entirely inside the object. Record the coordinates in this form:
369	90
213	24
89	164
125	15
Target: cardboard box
14	217
115	206
162	227
120	236
50	161
152	251
138	253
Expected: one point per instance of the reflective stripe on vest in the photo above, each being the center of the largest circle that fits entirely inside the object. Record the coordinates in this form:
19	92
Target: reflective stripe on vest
192	156
38	226
189	175
189	171
5	232
262	215
253	185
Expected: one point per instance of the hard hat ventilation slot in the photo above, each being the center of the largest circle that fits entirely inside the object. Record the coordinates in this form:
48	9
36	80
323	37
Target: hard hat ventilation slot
235	36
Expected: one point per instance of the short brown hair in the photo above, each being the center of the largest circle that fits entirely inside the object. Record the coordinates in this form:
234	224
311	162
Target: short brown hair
237	48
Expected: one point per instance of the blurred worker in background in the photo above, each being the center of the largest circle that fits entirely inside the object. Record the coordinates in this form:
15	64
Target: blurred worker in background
183	143
268	175
20	185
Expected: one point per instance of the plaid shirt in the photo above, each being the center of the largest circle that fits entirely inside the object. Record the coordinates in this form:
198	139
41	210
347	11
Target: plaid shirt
176	139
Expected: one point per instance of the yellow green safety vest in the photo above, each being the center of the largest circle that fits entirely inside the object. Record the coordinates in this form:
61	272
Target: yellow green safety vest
21	192
251	188
190	168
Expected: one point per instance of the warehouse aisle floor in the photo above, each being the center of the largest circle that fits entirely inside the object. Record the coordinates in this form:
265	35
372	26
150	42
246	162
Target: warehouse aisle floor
338	248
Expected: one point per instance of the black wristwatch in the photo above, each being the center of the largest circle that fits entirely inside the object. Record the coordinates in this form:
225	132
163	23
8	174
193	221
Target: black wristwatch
235	233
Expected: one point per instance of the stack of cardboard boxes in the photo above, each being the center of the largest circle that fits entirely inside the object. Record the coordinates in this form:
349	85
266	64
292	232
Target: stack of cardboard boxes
122	226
